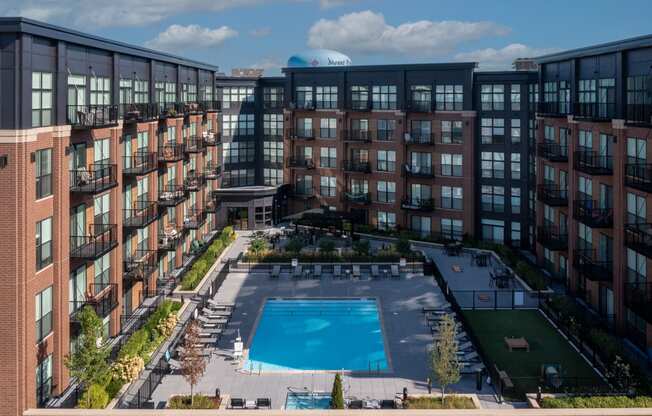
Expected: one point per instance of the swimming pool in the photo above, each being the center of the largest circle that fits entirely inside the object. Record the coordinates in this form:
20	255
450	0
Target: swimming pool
318	334
303	401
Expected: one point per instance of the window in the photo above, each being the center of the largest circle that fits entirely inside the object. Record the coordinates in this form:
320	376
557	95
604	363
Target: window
42	98
493	230
359	97
43	304
516	200
606	97
206	94
386	129
384	97
515	235
420	131
564	97
386	160
102	268
420	98
43	173
43	243
420	225
304	128
550	92
326	97
44	381
492	131
452	197
238	152
273	97
238	124
273	177
585	140
586	92
451	132
327	186
420	195
273	125
126	92
636	209
328	128
638	96
304	185
328	157
515	97
386	220
237	95
386	191
636	151
515	167
100	91
449	97
492	97
238	177
451	164
273	152
304	98
421	162
359	129
636	267
188	93
493	165
452	229
141	92
516	130
493	198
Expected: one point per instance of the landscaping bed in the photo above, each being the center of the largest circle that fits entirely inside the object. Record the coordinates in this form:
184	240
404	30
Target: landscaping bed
431	402
200	402
595	402
192	277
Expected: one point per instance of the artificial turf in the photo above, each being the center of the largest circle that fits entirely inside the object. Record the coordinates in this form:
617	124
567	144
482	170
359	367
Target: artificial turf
547	346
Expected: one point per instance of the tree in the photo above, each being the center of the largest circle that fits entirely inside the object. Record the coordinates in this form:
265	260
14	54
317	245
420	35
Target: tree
620	375
294	245
337	395
89	361
192	362
361	247
258	246
403	245
326	245
444	365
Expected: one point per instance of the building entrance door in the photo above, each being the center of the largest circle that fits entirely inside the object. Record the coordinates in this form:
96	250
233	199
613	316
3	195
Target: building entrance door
238	217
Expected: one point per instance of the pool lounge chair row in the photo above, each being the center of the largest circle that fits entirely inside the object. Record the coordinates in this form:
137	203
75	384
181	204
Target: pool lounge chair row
353	403
260	403
341	272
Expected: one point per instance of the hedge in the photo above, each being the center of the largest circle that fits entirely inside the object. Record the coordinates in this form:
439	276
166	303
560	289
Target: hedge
596	402
200	402
429	402
199	269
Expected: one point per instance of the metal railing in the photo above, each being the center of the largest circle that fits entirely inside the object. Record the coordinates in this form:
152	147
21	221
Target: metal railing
552	195
356	166
139	112
420	137
92	116
301	133
194	144
171	195
97	178
419	204
139	164
102	298
639	237
358	197
595	111
593	163
140	265
553	152
591	267
359	136
425	171
171	152
552	238
300	162
639	176
590	213
639	113
194	219
140	215
100	239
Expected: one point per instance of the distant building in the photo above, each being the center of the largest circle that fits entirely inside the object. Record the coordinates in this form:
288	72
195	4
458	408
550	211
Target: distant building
247	72
524	64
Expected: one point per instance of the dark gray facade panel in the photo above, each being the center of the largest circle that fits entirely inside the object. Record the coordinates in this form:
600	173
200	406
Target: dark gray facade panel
639	62
131	67
593	67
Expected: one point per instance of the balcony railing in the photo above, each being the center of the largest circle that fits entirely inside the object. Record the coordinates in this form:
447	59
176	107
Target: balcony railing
357	197
587	263
638	297
171	152
169	238
102	298
639	237
639	176
211	106
210	207
360	105
357	166
273	104
420	106
139	164
211	171
588	212
194	144
305	105
302	134
171	195
101	239
554	109
140	265
593	163
552	195
553	152
171	110
212	138
552	238
418	204
92	116
300	162
419	137
595	111
194	219
97	178
640	114
419	171
360	136
141	215
303	192
137	113
193	181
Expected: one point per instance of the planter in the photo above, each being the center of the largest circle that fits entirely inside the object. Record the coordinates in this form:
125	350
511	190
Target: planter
472	397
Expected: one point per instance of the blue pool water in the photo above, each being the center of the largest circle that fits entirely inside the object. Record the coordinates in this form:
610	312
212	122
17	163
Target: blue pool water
302	401
317	334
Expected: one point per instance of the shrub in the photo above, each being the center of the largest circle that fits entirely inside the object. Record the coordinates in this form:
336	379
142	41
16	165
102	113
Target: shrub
166	326
361	247
198	270
294	245
452	402
199	402
596	402
337	395
95	397
126	369
403	245
326	245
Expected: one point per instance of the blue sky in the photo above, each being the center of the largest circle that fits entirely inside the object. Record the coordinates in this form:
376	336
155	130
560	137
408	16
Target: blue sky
264	33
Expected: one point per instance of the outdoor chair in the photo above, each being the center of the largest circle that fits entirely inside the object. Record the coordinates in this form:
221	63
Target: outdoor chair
318	271
276	272
263	403
465	346
297	272
395	273
387	404
355	404
237	403
228	306
337	271
374	271
356	271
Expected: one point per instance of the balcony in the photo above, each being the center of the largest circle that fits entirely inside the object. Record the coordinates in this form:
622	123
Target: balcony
139	265
356	136
639	176
303	192
210	207
171	110
212	171
418	204
553	152
97	178
139	113
171	152
595	111
638	297
273	104
302	134
592	268
552	238
304	105
552	109
300	162
639	114
639	237
420	137
363	198
420	106
143	214
169	238
211	106
194	144
592	163
212	138
360	105
101	239
552	195
193	181
358	166
92	116
139	164
171	195
493	139
102	298
418	171
194	219
588	212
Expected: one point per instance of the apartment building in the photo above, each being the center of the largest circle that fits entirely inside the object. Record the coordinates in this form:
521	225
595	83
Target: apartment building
108	154
594	179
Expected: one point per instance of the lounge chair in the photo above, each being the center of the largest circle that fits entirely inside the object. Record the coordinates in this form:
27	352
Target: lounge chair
237	403
213	304
387	404
337	271
465	346
374	271
211	322
395	273
355	404
264	402
318	271
356	271
209	332
473	355
276	272
297	272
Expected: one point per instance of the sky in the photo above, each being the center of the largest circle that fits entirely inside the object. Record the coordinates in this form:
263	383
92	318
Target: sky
265	33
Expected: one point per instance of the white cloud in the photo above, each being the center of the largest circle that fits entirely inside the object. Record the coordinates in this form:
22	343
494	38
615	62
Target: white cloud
176	38
260	32
498	58
327	4
367	32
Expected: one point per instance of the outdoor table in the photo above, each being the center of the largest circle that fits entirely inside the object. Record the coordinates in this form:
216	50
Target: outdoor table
517	343
250	404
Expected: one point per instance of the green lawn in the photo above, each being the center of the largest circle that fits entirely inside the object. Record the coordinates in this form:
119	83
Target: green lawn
546	346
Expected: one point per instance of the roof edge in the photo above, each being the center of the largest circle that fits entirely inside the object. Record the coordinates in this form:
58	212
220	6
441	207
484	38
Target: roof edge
599	49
